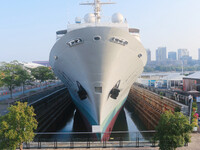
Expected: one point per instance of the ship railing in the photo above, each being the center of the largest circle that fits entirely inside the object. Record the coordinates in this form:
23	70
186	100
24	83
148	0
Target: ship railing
113	139
71	27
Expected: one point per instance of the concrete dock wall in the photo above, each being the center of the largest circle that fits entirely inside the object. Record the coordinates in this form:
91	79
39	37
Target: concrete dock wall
149	105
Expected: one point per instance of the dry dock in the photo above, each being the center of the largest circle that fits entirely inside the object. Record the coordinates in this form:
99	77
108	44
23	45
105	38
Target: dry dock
149	105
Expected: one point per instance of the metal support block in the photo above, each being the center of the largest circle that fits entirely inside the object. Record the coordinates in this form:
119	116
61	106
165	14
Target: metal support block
120	142
88	143
71	144
55	144
104	143
39	144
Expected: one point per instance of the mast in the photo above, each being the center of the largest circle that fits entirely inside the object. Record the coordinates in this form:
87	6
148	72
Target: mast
97	8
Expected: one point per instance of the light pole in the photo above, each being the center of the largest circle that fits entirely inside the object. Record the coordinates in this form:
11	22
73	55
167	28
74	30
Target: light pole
182	67
190	98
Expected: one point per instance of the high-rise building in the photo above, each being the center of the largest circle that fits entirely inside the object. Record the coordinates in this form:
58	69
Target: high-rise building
161	54
199	53
172	55
182	52
148	55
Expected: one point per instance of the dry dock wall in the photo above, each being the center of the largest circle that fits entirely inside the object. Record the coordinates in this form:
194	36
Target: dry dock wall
149	105
51	108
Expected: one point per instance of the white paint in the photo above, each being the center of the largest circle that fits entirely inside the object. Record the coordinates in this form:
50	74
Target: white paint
96	129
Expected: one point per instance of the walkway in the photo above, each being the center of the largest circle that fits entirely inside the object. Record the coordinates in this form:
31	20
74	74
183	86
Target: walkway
32	89
4	101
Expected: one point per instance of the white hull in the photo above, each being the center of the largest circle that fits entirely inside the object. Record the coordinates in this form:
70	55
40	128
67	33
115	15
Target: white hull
101	64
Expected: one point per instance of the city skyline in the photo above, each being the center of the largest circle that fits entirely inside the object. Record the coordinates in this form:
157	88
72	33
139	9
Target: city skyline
169	54
28	27
161	54
172	55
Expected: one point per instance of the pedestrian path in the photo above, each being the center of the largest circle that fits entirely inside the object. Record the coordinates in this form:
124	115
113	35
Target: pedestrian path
5	102
18	93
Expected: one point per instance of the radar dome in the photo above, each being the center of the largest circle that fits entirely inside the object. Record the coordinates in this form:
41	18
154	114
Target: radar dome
77	20
89	18
117	18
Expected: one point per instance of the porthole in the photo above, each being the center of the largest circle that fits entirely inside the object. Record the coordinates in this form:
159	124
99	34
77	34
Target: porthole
139	55
97	38
55	57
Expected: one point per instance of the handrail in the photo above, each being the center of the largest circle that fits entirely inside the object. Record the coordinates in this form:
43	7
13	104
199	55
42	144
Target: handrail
53	133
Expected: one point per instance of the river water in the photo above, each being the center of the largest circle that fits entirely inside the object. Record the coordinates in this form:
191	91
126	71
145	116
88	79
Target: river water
127	121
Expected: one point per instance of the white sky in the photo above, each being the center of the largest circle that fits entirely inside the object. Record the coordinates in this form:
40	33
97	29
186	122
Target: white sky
28	27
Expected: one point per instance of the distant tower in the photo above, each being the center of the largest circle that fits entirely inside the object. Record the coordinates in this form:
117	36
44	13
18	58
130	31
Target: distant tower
199	53
182	52
148	55
172	55
161	54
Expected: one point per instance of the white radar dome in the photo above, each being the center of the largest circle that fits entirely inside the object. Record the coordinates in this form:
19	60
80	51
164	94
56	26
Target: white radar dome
89	18
117	18
77	20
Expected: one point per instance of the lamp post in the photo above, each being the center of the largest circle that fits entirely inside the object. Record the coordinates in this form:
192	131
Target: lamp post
190	98
182	67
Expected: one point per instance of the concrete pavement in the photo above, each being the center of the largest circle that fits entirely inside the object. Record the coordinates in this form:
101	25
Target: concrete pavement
17	94
5	100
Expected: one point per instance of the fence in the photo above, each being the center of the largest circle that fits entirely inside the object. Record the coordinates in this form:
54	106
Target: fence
35	96
92	140
32	88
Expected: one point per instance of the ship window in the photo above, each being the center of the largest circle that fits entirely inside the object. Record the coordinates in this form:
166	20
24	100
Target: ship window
119	41
139	55
75	42
96	38
98	89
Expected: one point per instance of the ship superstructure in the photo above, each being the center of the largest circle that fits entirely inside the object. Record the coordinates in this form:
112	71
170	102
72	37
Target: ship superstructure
98	62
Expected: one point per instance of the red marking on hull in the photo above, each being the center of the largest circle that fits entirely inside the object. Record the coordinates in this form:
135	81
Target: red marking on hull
108	130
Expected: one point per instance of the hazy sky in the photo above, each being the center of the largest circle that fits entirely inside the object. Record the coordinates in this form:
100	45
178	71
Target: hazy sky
27	27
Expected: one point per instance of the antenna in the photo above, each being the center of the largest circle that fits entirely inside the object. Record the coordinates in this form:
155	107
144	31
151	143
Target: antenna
97	8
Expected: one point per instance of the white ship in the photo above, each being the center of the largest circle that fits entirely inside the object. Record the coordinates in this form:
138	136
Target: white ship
98	62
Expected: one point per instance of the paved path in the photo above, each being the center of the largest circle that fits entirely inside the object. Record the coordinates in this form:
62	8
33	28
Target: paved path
3	109
4	97
194	145
4	103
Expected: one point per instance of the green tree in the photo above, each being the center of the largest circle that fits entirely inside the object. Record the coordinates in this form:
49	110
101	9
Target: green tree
173	130
1	83
8	75
24	77
14	74
42	74
17	126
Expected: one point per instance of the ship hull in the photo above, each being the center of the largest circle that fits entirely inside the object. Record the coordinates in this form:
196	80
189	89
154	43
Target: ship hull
96	67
